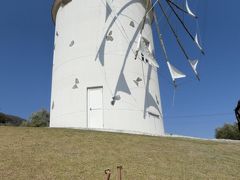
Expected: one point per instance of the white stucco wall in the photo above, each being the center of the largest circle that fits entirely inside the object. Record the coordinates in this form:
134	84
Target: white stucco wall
96	62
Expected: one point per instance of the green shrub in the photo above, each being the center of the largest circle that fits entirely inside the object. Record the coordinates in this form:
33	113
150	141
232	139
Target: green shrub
228	131
39	119
25	124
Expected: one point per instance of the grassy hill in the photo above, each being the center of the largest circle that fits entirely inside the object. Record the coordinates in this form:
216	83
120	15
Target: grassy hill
41	153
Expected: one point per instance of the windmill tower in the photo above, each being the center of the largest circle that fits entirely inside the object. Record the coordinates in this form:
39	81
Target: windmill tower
104	72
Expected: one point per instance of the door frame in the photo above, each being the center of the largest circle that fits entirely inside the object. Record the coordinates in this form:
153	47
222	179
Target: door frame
87	121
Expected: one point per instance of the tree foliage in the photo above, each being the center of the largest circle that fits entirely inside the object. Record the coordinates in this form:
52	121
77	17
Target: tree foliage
228	131
39	119
10	120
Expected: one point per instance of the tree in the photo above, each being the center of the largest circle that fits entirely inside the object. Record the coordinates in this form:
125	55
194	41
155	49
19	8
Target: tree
10	120
40	119
228	131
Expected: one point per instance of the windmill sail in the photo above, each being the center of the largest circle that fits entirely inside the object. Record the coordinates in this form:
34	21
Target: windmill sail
185	27
145	50
175	73
189	10
194	64
172	69
177	38
197	42
143	24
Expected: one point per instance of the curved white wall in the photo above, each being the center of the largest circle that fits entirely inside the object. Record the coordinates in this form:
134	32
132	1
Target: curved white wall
97	62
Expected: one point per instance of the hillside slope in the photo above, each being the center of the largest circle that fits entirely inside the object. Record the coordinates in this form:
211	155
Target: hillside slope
42	153
10	120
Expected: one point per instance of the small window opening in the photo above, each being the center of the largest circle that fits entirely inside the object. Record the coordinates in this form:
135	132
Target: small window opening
142	57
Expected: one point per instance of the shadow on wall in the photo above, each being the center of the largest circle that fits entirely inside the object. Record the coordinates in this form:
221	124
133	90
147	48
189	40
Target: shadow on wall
122	83
101	50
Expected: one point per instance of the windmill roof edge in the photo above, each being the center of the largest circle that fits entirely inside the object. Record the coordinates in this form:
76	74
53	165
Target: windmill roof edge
58	3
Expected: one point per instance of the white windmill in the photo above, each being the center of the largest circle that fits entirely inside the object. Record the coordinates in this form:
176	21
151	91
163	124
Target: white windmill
104	70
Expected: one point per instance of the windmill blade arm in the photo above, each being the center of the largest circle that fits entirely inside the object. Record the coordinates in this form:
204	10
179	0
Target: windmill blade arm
180	20
195	39
160	36
179	8
173	31
145	16
143	25
176	36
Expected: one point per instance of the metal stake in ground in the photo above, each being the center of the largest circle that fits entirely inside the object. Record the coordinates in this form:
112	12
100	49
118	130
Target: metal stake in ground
107	174
119	172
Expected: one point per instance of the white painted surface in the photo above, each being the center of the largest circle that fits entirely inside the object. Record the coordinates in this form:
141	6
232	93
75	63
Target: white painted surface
97	62
95	108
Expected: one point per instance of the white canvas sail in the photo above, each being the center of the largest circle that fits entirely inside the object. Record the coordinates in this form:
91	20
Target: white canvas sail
197	42
189	10
175	73
194	64
145	50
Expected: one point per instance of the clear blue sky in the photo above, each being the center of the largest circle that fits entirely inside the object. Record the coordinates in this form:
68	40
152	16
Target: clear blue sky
26	51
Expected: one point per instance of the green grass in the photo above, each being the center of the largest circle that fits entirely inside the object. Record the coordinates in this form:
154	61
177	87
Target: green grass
41	153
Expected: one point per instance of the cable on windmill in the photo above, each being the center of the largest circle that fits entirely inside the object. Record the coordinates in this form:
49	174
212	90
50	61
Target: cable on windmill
195	39
178	7
179	43
183	10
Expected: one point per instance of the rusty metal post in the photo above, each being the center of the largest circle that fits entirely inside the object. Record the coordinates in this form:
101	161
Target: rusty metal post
119	172
107	174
